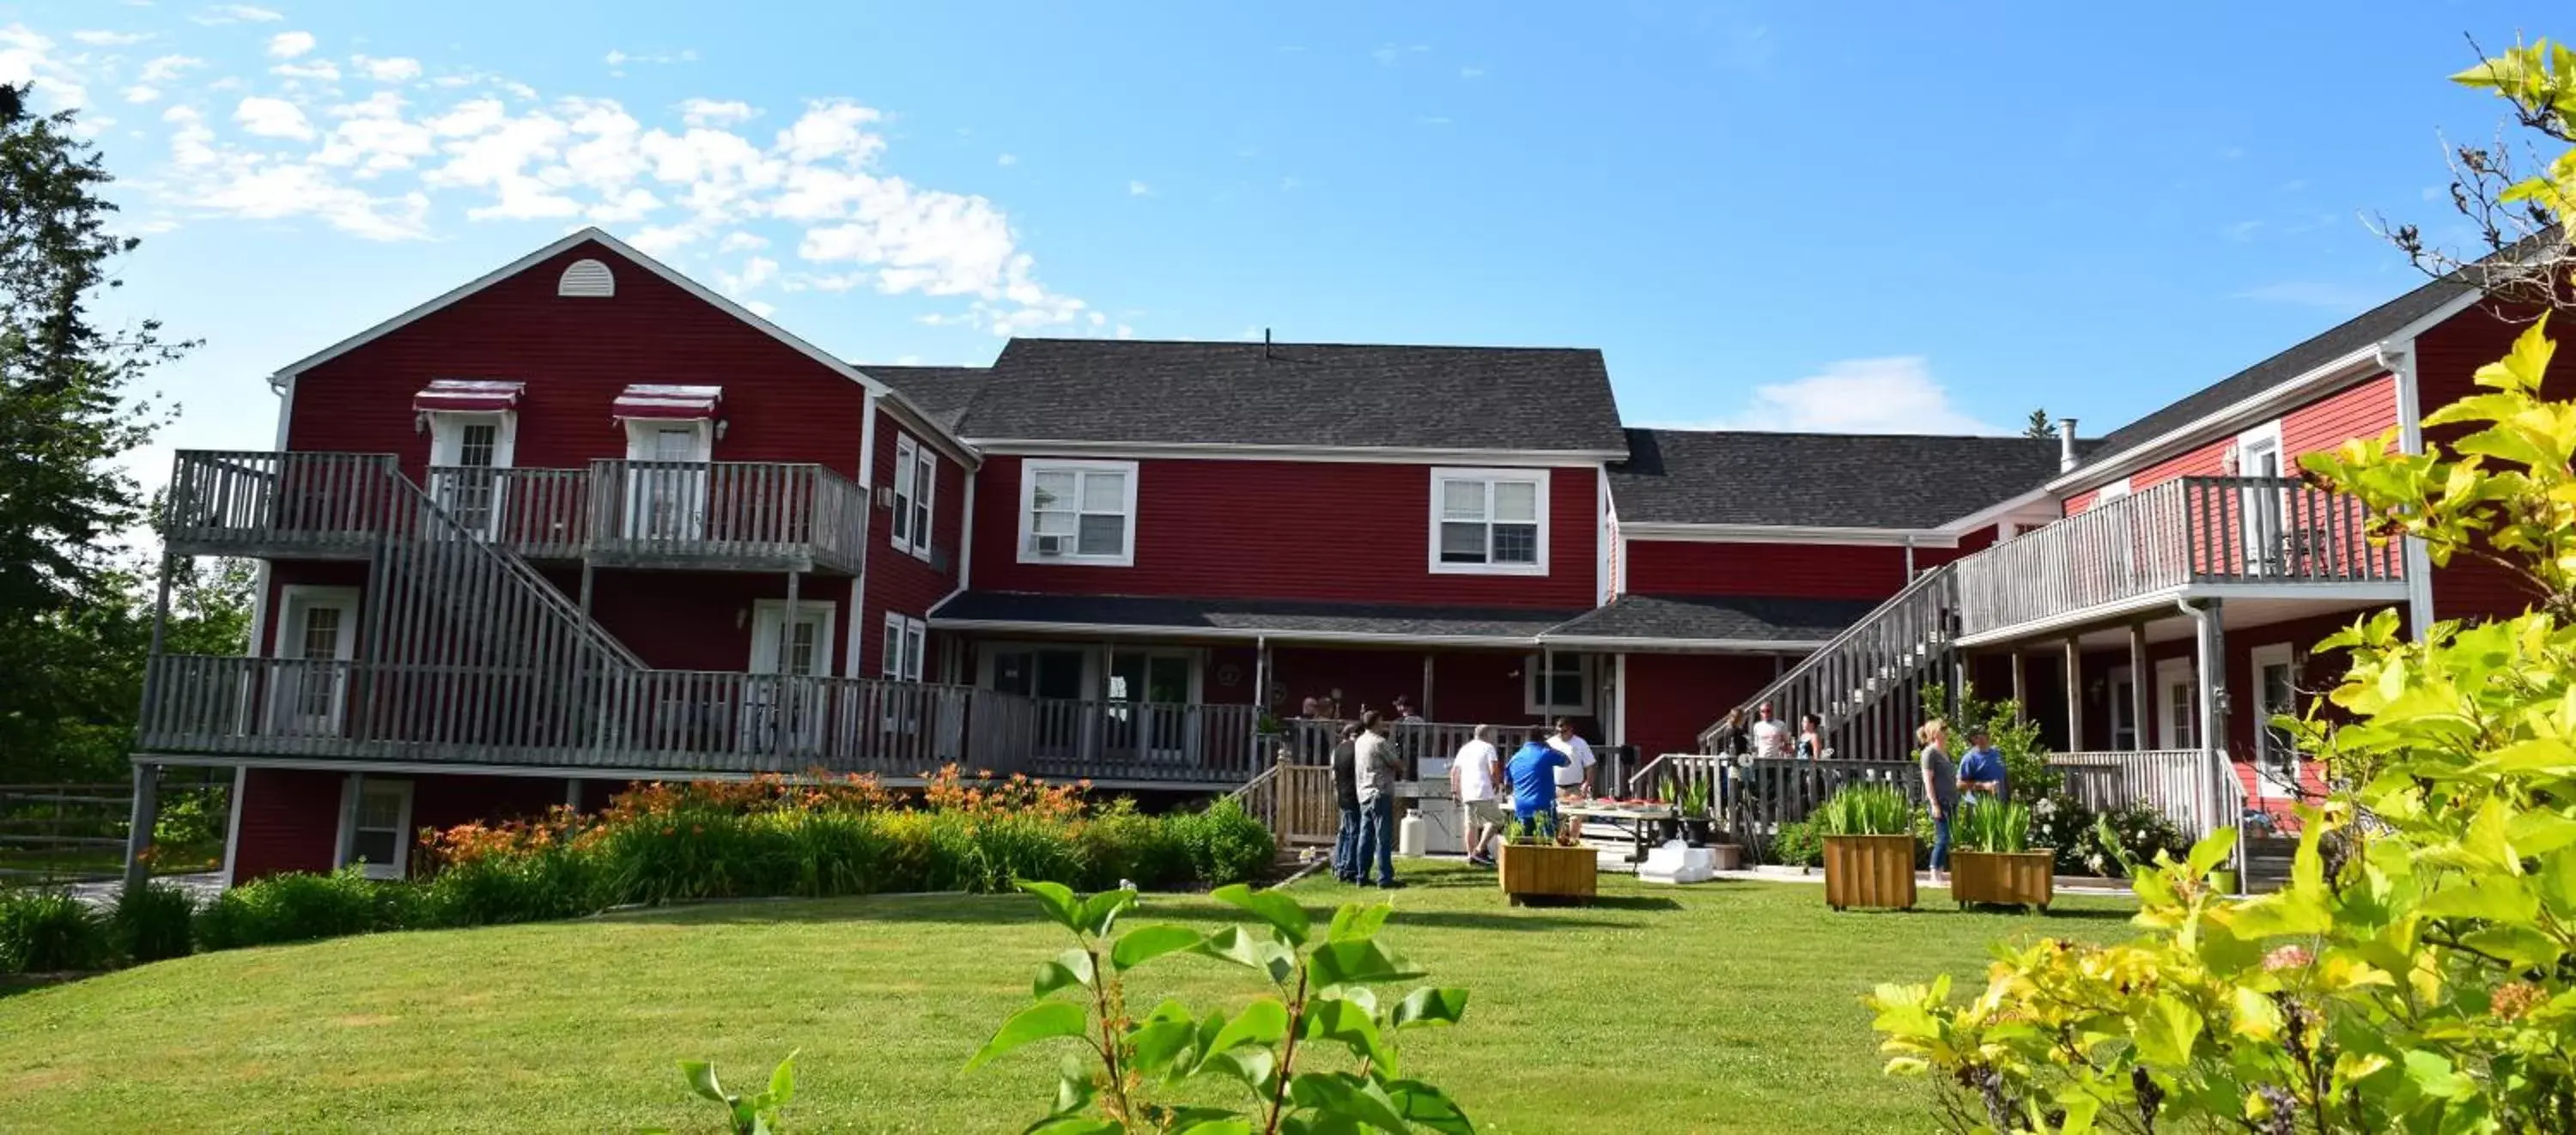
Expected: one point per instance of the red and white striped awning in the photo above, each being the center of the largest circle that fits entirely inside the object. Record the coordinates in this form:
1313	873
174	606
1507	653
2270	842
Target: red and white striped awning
483	395
652	401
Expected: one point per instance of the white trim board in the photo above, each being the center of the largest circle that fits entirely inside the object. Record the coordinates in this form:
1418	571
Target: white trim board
1786	534
556	772
2387	591
452	296
1228	451
1097	631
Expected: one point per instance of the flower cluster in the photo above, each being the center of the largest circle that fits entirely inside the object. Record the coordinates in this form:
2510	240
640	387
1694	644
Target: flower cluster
954	791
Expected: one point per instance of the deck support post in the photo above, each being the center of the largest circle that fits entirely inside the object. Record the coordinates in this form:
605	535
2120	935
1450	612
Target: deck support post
1425	699
160	627
2142	690
2212	672
782	716
2020	685
145	816
2074	695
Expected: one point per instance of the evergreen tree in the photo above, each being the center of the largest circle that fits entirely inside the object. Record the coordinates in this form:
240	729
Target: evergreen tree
2038	425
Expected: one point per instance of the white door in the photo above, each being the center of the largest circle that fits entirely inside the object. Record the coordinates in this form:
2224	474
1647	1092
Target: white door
467	453
2276	694
666	495
377	828
2177	705
319	636
2259	456
783	692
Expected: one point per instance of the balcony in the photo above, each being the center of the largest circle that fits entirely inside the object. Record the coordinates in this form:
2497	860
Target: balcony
679	723
2265	538
725	515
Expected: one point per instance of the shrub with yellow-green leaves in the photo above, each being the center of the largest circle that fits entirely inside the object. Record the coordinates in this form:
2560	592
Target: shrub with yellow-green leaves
2418	971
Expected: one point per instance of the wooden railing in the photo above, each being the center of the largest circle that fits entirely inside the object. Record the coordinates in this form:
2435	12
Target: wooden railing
262	503
1295	801
2188	785
685	514
2186	531
1764	793
1866	685
681	721
648	511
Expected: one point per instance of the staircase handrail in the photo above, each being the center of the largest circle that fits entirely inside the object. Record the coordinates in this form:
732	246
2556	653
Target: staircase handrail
449	530
1715	733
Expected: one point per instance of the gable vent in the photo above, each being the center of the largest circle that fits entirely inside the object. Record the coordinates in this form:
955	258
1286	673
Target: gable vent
587	279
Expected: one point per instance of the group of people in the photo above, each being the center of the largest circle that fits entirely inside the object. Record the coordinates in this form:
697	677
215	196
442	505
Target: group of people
1763	735
1553	763
1979	774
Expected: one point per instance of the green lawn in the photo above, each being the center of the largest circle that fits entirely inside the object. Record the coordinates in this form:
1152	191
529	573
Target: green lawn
1721	1007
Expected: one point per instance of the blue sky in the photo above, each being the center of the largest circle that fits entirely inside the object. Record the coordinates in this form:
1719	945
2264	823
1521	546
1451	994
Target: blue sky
1843	217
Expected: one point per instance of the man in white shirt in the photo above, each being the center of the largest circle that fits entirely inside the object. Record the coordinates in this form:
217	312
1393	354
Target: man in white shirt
1472	777
1374	763
1770	738
1574	780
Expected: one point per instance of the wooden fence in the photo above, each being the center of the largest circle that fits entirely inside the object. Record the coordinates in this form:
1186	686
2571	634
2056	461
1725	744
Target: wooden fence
71	833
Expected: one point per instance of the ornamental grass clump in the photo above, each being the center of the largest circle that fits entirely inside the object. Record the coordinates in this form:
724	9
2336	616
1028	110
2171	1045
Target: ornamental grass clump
1865	809
1987	825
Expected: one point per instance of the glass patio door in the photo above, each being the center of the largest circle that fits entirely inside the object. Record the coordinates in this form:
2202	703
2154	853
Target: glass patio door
321	632
466	456
666	493
1055	678
785	661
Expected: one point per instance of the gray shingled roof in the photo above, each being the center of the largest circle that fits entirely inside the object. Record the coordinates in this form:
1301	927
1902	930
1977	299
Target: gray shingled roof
1822	480
2343	339
944	393
1248	618
1299	394
1712	618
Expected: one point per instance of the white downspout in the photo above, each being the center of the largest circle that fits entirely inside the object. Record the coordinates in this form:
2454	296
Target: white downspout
2400	361
2212	680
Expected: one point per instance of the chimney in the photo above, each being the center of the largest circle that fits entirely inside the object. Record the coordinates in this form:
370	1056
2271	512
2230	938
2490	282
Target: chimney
2065	444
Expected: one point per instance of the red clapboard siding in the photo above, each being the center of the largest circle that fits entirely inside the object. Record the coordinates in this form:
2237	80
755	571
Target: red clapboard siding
689	620
1672	697
1289	530
1816	571
288	819
898	581
2446	359
2364	409
575	355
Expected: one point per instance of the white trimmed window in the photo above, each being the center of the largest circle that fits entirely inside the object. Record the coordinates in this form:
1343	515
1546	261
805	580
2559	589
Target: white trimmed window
375	827
916	479
1558	683
905	639
1489	521
1081	512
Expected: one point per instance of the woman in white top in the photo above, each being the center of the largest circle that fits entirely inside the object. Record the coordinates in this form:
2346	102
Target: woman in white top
1472	777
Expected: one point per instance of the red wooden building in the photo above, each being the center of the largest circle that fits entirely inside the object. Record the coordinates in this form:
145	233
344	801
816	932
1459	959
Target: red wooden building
583	522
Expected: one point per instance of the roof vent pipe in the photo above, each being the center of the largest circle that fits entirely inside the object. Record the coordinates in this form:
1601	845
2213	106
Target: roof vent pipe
2065	444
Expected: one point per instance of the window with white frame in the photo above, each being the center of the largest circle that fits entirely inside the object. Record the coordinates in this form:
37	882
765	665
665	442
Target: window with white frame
1559	683
376	828
1078	512
905	639
1489	521
916	480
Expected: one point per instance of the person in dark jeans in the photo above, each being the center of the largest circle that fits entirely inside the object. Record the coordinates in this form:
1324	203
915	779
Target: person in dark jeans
1346	796
1373	760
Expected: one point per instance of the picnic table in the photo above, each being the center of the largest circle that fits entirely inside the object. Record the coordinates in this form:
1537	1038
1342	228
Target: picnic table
1635	817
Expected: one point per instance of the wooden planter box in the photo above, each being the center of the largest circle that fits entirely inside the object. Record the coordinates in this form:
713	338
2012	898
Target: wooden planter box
1546	873
1869	871
2005	878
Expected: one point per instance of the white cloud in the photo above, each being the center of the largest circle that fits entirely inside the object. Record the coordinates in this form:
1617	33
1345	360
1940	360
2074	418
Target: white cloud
140	93
709	112
320	69
1896	394
272	118
110	39
1007	160
742	242
1139	189
167	68
394	70
236	14
288	45
621	58
26	56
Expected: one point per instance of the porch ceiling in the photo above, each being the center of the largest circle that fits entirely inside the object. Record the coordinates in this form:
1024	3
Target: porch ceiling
2165	622
1245	620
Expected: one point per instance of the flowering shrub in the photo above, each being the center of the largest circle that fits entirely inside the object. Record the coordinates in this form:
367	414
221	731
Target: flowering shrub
2065	823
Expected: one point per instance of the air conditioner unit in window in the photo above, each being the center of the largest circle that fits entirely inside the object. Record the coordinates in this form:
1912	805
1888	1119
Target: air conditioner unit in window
885	496
1049	545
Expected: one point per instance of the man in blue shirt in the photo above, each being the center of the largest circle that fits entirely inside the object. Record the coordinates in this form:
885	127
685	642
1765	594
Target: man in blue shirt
1981	772
1532	772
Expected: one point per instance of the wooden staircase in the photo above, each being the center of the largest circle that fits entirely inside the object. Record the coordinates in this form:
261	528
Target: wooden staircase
1868	683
